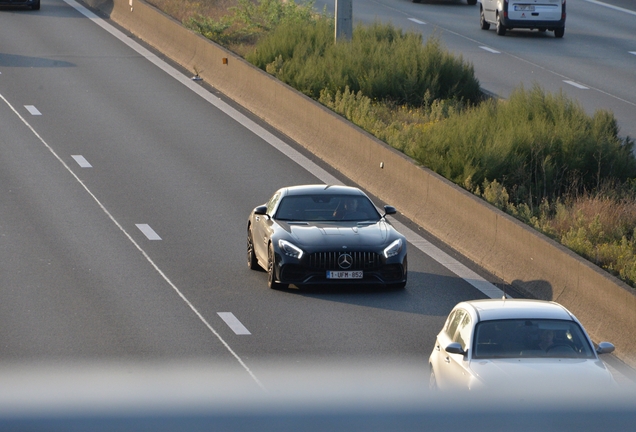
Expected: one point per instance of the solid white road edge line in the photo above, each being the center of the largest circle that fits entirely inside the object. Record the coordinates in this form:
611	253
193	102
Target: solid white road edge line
139	248
435	253
233	323
620	9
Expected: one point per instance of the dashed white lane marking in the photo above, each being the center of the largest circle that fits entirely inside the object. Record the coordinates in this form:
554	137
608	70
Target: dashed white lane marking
81	161
32	110
233	323
416	21
148	232
494	51
633	52
575	84
215	101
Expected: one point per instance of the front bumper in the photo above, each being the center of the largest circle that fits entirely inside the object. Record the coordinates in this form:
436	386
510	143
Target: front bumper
380	271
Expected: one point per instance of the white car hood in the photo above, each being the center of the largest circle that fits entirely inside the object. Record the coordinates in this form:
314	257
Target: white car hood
538	373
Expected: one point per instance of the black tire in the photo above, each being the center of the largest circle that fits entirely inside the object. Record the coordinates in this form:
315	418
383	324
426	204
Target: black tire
472	2
416	1
485	25
36	6
559	32
271	277
252	262
501	29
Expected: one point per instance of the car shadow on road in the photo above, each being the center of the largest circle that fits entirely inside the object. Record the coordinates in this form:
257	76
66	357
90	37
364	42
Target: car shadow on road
20	61
425	293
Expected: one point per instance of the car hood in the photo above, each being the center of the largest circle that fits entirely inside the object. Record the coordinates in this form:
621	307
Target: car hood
543	373
354	235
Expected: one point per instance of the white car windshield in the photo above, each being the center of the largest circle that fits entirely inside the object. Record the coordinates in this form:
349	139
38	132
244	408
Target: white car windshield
522	338
330	208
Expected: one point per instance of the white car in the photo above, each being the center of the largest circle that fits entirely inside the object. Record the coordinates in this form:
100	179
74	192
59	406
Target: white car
516	344
526	14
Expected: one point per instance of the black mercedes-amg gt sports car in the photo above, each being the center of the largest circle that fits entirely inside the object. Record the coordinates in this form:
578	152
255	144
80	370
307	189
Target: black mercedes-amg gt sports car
320	235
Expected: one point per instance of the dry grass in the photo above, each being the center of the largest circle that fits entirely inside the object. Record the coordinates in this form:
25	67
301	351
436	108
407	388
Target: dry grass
613	218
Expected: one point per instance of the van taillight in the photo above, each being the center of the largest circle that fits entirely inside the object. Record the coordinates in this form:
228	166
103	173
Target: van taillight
563	10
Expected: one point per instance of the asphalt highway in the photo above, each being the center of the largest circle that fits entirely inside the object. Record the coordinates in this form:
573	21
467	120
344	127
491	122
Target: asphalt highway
125	194
125	188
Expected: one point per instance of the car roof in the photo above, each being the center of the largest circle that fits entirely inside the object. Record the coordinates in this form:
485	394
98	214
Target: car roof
317	189
496	309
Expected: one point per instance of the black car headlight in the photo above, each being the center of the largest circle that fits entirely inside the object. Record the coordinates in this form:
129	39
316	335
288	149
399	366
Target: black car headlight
290	249
393	249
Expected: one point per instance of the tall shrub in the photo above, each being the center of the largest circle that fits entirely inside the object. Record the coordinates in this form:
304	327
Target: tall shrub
381	61
537	145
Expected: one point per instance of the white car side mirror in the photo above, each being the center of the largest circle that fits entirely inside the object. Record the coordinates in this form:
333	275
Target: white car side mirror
605	348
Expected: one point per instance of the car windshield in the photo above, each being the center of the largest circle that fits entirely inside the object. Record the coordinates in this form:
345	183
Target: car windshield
330	208
522	338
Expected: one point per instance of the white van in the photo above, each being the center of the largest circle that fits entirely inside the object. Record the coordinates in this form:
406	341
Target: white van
529	14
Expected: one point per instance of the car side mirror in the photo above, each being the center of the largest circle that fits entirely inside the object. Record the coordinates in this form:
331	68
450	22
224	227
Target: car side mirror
455	348
605	348
389	210
260	210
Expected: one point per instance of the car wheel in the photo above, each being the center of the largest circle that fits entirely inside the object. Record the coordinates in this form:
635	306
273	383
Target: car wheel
432	381
271	262
416	1
252	262
472	2
501	29
36	6
559	32
485	25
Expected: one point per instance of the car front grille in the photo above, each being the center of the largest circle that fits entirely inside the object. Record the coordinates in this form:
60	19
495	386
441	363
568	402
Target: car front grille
330	260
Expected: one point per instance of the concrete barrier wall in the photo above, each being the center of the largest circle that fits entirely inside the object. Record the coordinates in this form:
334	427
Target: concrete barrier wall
502	245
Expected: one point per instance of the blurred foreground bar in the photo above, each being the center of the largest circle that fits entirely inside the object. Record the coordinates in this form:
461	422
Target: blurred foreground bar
282	397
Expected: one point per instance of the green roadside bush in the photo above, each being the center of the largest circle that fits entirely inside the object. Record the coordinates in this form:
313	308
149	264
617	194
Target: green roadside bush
381	61
249	21
538	146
